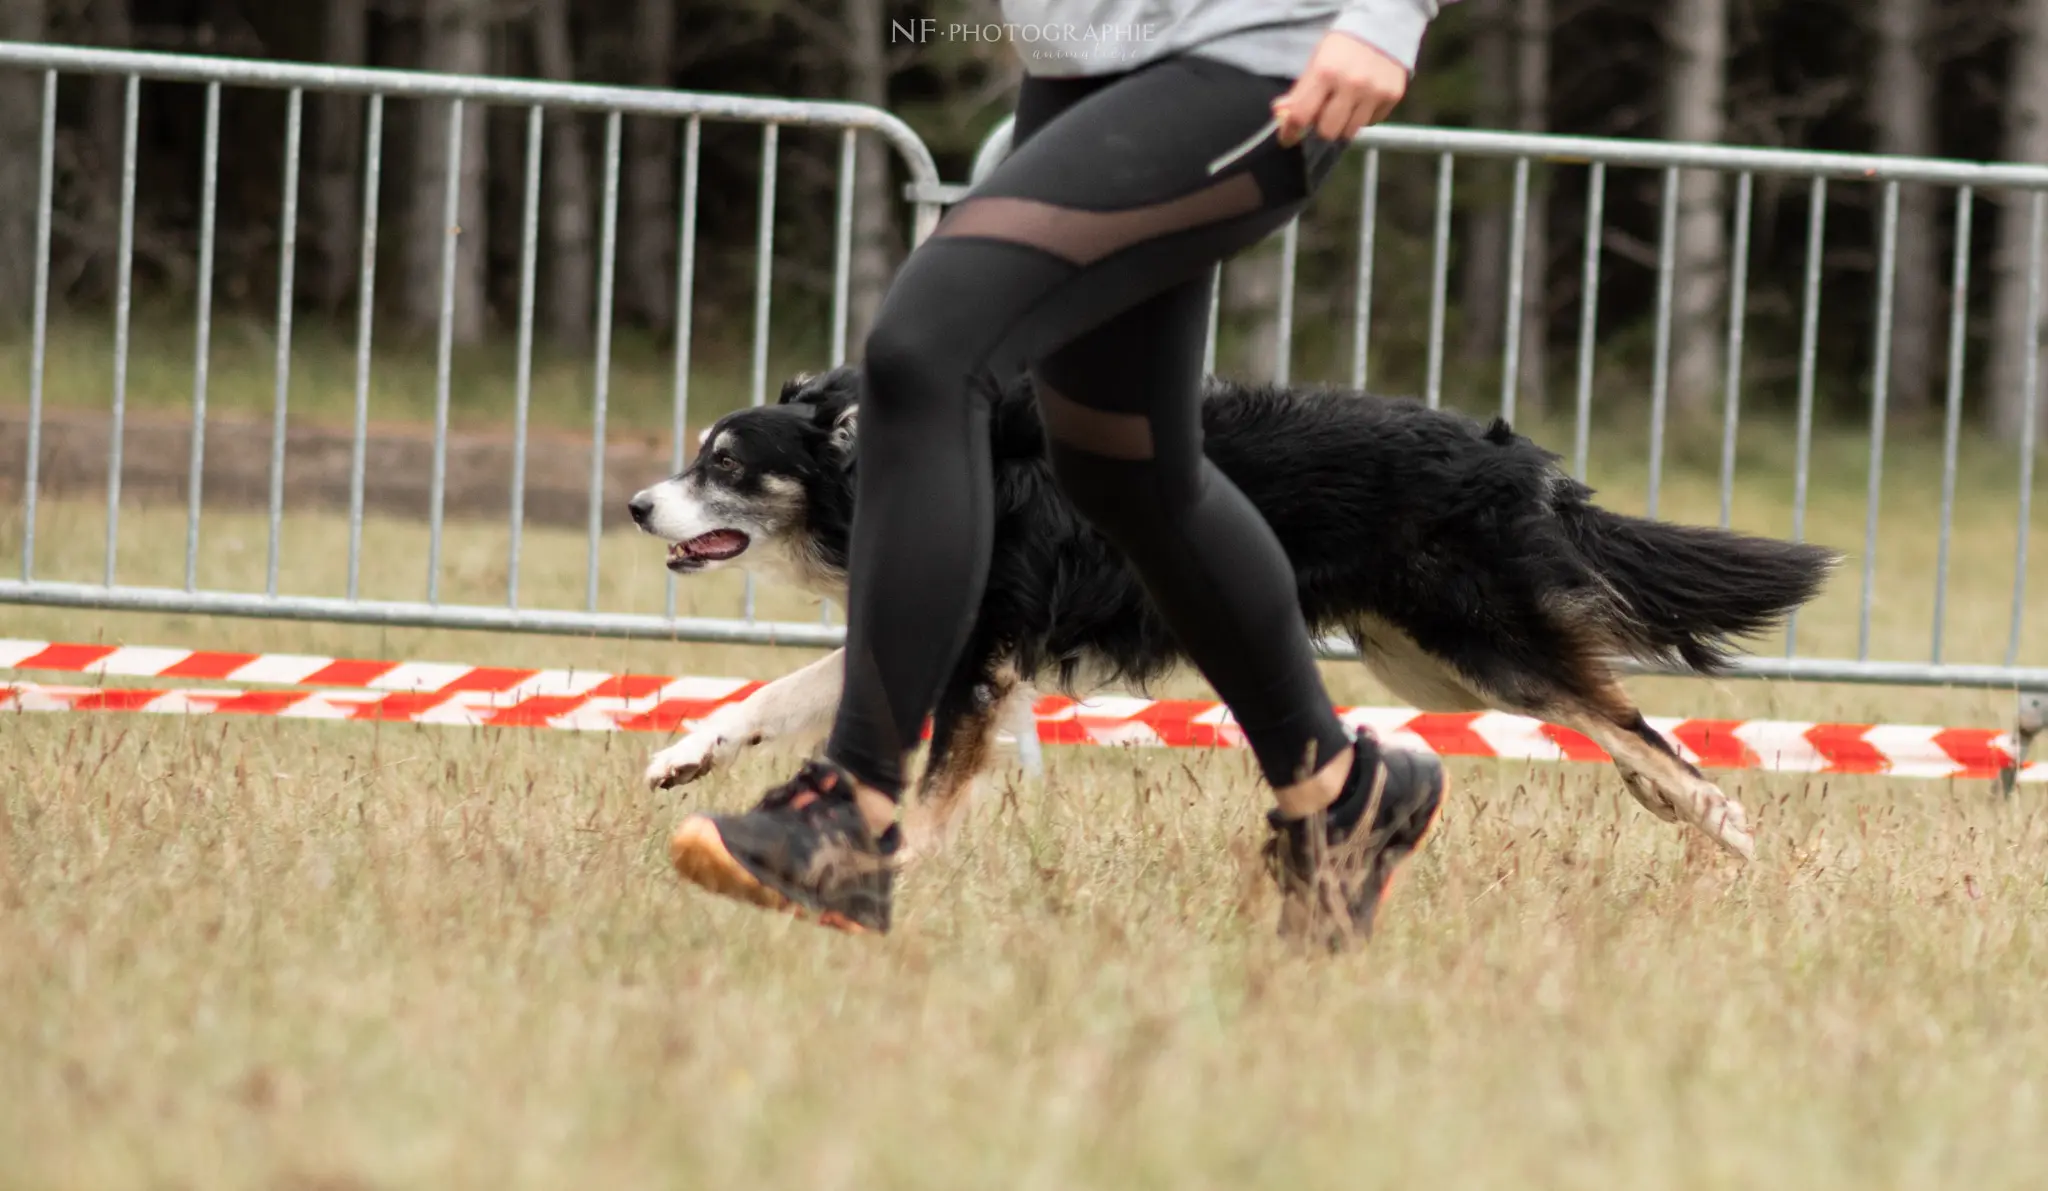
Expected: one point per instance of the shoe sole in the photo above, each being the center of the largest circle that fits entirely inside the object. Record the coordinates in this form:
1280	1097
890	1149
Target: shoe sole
700	857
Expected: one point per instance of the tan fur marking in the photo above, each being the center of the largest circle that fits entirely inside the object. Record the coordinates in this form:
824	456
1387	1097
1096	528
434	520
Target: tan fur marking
1411	673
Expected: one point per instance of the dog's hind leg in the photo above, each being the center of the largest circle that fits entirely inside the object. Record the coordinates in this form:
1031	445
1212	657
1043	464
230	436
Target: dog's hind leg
1659	778
801	702
1668	785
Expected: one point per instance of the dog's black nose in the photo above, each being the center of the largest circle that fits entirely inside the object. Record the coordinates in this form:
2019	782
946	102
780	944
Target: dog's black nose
640	506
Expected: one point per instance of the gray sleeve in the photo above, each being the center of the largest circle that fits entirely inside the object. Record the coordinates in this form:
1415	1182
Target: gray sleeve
1394	27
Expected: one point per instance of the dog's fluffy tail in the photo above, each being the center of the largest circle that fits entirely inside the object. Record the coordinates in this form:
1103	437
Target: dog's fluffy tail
1689	591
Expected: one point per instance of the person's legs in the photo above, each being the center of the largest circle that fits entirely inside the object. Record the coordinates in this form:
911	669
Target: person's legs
1110	203
1104	206
1123	415
1122	406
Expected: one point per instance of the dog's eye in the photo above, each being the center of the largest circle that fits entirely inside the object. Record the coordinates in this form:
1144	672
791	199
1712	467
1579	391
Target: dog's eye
725	463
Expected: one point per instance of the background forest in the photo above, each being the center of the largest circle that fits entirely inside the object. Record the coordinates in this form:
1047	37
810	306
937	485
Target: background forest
1967	80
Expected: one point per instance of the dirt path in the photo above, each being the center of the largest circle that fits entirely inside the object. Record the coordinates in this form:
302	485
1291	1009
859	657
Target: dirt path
156	457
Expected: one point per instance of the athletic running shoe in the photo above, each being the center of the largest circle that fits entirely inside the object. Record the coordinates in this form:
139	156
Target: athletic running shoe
804	849
1333	875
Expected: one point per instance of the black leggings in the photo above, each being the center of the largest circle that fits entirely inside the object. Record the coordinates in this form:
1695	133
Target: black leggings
1086	256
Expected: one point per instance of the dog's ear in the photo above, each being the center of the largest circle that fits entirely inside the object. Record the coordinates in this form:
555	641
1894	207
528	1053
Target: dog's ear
798	389
844	427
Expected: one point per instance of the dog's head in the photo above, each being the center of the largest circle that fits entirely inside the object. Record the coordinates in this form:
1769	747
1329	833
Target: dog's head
770	489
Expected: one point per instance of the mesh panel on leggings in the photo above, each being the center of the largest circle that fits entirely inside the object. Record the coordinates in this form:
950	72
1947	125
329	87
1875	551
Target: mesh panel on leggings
1098	432
1083	237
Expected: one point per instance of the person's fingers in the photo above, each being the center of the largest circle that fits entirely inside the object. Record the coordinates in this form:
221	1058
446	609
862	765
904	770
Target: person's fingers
1347	86
1302	106
1343	116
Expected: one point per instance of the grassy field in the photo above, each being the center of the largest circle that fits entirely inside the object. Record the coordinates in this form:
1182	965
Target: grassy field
260	954
402	381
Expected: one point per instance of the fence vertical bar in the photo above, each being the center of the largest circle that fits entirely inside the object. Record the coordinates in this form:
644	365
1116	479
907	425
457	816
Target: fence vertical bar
522	389
444	359
1951	436
208	211
288	254
686	266
1283	328
2029	426
1368	227
601	384
1880	397
842	245
366	317
1738	297
842	271
764	257
1809	354
1518	249
1660	377
124	292
1589	312
1439	281
39	347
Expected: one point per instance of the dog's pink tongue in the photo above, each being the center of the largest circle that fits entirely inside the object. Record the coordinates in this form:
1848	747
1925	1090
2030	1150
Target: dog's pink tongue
719	543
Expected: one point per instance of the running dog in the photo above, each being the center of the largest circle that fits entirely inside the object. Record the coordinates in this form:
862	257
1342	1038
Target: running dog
1469	569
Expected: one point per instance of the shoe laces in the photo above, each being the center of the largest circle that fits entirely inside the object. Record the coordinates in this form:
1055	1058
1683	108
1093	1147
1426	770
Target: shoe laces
816	786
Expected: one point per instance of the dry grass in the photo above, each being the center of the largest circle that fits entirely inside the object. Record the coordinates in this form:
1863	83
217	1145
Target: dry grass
283	955
260	954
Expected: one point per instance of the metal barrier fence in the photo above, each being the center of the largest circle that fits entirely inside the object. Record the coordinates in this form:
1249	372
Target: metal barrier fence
690	110
1818	170
928	195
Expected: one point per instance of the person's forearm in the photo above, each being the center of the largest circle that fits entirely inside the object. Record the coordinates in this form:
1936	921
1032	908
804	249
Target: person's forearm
1393	27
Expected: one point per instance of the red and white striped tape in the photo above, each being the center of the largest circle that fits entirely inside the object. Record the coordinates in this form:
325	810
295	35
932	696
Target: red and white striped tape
578	700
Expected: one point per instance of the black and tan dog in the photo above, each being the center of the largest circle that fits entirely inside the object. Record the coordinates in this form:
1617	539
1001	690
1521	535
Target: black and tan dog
1470	570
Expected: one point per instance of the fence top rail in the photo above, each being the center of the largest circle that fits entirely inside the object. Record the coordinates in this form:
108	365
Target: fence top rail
1626	152
413	84
1621	151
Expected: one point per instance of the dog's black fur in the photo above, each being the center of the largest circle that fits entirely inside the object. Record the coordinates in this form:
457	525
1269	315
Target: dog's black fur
1409	529
1467	535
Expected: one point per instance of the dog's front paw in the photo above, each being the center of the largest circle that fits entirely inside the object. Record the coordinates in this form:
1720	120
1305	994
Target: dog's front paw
685	761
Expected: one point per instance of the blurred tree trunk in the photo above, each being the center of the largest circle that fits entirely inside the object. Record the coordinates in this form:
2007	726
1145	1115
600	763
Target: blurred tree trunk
1484	269
647	258
112	29
455	41
571	291
1696	110
1532	103
106	114
1902	108
21	107
336	190
2026	140
875	243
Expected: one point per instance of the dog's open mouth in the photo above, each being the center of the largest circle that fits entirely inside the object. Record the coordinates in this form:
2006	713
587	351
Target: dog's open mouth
716	546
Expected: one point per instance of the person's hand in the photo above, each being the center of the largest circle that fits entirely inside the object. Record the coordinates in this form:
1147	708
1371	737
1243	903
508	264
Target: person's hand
1347	86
